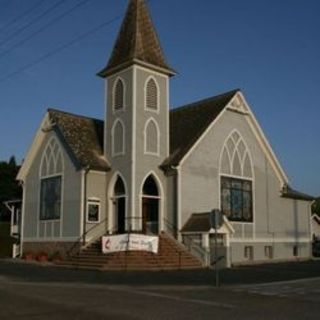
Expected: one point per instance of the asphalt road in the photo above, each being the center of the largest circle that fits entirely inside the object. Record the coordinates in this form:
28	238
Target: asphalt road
36	292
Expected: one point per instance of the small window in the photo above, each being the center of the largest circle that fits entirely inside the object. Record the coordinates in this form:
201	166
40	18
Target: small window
248	252
50	203
93	211
118	138
151	139
268	252
152	95
119	95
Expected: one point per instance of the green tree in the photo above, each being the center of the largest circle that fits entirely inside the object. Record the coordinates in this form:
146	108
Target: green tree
9	187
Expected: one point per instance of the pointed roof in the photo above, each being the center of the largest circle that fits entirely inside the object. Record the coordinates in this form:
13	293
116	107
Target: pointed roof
137	43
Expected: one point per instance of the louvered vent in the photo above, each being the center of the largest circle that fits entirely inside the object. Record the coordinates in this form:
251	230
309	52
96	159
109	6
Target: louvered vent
152	95
119	95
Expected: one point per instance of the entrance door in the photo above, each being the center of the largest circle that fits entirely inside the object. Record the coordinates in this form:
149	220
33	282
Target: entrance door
119	206
121	213
150	206
150	216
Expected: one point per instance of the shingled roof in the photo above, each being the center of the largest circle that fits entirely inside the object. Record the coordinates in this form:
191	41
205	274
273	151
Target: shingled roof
288	192
137	42
83	138
188	123
198	222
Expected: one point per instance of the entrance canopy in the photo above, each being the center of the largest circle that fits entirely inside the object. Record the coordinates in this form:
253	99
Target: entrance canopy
201	223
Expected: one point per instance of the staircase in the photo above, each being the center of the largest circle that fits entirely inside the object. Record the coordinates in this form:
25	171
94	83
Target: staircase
171	255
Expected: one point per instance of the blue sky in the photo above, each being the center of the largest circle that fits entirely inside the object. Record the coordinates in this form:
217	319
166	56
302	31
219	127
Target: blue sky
268	48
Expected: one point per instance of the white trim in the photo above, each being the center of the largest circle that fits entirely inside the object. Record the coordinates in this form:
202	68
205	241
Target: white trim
268	240
264	143
82	200
167	107
145	137
151	71
93	201
195	145
257	131
23	212
179	200
123	151
134	142
115	82
160	197
157	110
48	155
33	149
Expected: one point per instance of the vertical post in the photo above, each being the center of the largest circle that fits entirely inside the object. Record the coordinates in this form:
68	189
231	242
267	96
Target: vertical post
216	247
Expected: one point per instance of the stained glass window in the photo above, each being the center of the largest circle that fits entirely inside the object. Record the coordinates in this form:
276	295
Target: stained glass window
236	199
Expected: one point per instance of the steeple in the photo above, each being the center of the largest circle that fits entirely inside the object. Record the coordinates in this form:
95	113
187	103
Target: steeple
137	43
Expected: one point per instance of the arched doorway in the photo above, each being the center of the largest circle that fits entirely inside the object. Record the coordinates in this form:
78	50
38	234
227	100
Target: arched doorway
119	206
150	206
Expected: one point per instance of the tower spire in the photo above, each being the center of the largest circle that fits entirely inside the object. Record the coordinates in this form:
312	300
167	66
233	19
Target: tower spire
137	43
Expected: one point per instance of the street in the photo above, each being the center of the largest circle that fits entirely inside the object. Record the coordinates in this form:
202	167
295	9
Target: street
36	292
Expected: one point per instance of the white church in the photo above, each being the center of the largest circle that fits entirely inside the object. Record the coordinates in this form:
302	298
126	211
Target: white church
151	170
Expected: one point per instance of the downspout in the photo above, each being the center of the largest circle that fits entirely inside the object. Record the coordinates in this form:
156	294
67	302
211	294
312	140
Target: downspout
178	199
84	204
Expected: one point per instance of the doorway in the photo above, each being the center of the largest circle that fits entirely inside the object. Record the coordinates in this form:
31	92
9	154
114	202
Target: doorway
150	207
119	207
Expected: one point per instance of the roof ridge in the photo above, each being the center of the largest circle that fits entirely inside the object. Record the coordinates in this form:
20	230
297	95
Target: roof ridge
196	103
73	114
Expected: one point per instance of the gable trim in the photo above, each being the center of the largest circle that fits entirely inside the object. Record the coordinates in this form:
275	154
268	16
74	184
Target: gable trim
258	133
33	149
264	143
206	131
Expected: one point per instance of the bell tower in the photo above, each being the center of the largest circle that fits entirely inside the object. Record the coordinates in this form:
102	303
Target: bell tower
137	110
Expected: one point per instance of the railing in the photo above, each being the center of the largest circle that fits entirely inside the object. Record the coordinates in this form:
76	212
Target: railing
190	244
80	243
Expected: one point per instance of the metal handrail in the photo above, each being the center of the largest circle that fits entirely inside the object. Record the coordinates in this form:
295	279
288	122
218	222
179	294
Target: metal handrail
193	247
77	243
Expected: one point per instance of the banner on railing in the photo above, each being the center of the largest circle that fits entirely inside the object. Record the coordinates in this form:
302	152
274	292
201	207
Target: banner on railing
130	242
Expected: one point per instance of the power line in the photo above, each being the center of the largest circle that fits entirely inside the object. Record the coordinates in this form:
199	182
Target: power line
62	47
18	44
36	19
22	15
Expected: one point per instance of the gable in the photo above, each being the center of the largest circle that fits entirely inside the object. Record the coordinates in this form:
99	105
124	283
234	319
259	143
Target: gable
81	137
190	124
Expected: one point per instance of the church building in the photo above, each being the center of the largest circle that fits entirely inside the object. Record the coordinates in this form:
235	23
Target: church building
149	169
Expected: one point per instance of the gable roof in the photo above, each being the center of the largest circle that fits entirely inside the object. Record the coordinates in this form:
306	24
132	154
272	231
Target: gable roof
83	138
137	42
188	123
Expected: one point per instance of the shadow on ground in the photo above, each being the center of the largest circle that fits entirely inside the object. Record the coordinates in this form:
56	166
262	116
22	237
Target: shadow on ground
204	277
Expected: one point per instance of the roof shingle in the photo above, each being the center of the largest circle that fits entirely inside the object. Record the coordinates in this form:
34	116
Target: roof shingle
188	123
83	138
137	42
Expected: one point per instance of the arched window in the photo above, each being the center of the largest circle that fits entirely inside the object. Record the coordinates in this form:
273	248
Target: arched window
150	206
236	174
118	94
118	138
151	99
51	171
119	196
151	138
